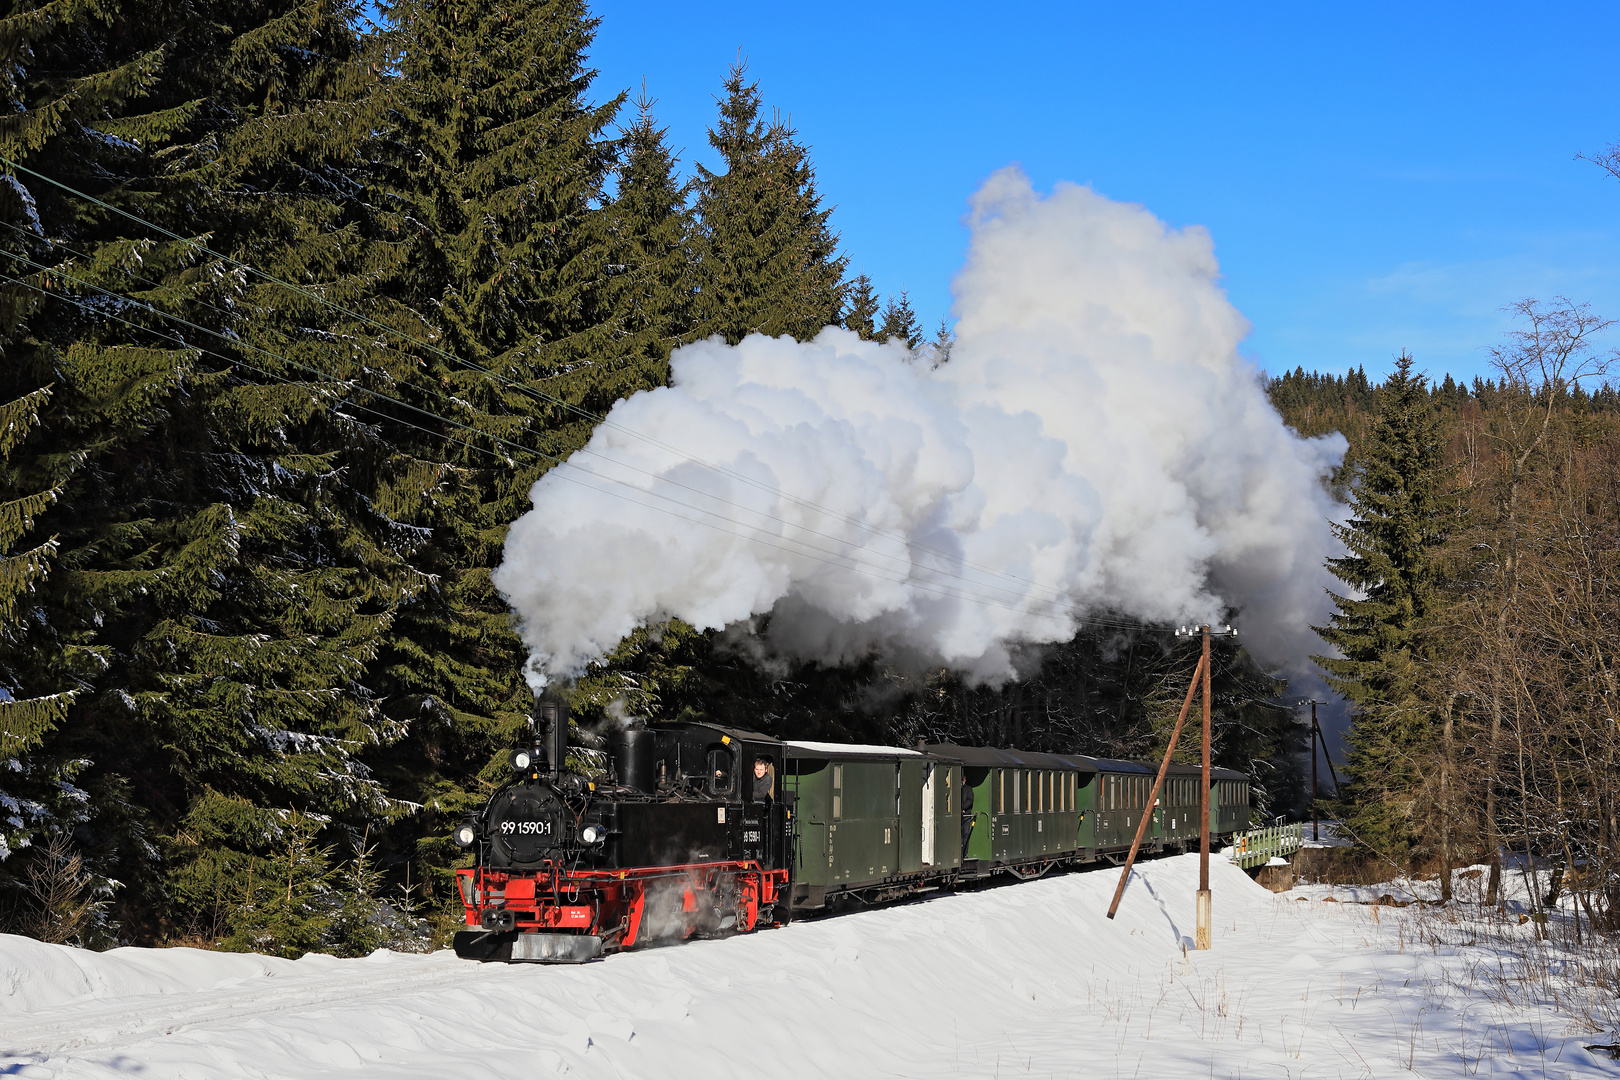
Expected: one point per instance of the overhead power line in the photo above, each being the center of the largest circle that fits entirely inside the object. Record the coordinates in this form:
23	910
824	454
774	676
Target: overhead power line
811	552
524	388
236	342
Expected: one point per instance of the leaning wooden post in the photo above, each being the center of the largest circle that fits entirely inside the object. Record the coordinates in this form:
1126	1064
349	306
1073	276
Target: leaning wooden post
1202	934
1164	766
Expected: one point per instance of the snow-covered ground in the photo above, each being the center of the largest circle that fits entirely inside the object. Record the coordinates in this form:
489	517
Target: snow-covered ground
1022	980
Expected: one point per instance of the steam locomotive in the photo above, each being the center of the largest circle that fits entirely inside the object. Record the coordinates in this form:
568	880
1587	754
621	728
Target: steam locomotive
701	830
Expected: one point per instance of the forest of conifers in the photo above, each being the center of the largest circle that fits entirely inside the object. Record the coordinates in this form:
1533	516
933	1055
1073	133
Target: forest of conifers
295	309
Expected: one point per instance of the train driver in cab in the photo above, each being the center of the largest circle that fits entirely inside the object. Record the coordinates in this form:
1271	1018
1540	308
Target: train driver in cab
764	782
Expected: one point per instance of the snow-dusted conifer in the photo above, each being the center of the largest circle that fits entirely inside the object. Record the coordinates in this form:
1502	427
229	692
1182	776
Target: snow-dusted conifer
1400	510
503	161
228	566
653	287
768	260
861	314
900	322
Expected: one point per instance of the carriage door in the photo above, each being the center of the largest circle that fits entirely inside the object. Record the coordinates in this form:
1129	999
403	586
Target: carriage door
928	814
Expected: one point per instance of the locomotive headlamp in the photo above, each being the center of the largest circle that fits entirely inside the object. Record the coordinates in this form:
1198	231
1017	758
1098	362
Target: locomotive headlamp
521	760
464	835
592	833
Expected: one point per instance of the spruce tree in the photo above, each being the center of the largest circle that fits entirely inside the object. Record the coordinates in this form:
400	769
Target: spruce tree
767	259
78	107
229	566
861	315
652	291
900	322
552	305
1399	507
943	342
38	795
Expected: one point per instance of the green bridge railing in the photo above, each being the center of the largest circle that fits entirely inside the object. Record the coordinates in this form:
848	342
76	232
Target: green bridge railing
1259	846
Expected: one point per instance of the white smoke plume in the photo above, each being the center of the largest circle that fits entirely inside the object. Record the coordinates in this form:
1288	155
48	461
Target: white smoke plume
1095	443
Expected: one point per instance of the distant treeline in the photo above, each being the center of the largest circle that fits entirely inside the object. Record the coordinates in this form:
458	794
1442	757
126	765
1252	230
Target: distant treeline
1315	403
1475	628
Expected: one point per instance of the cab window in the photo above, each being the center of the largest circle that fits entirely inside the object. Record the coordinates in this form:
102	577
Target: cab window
720	772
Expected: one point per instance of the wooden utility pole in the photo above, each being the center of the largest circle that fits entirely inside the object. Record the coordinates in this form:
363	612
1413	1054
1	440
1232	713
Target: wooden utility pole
1153	799
1202	934
1200	681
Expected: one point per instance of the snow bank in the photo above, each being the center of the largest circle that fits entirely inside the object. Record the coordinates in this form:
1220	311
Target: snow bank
1027	979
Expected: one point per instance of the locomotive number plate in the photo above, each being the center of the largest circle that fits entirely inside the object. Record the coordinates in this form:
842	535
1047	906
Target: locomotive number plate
526	828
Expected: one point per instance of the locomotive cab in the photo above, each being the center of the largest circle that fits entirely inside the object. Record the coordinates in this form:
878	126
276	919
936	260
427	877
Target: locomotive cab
674	842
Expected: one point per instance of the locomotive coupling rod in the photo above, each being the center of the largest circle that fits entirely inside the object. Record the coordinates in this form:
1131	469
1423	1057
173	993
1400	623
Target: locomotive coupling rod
1164	766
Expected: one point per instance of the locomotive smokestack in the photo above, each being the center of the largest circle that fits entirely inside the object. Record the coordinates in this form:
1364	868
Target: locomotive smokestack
552	713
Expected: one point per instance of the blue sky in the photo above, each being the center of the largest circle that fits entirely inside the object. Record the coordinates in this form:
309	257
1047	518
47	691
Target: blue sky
1375	177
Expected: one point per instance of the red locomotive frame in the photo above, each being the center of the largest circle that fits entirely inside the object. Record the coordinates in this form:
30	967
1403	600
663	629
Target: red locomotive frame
617	905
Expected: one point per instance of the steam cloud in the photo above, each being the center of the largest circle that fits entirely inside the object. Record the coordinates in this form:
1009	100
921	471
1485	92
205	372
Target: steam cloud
1095	443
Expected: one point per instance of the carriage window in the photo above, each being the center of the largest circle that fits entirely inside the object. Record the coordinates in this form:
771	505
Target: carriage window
1018	792
1046	791
1001	792
719	772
